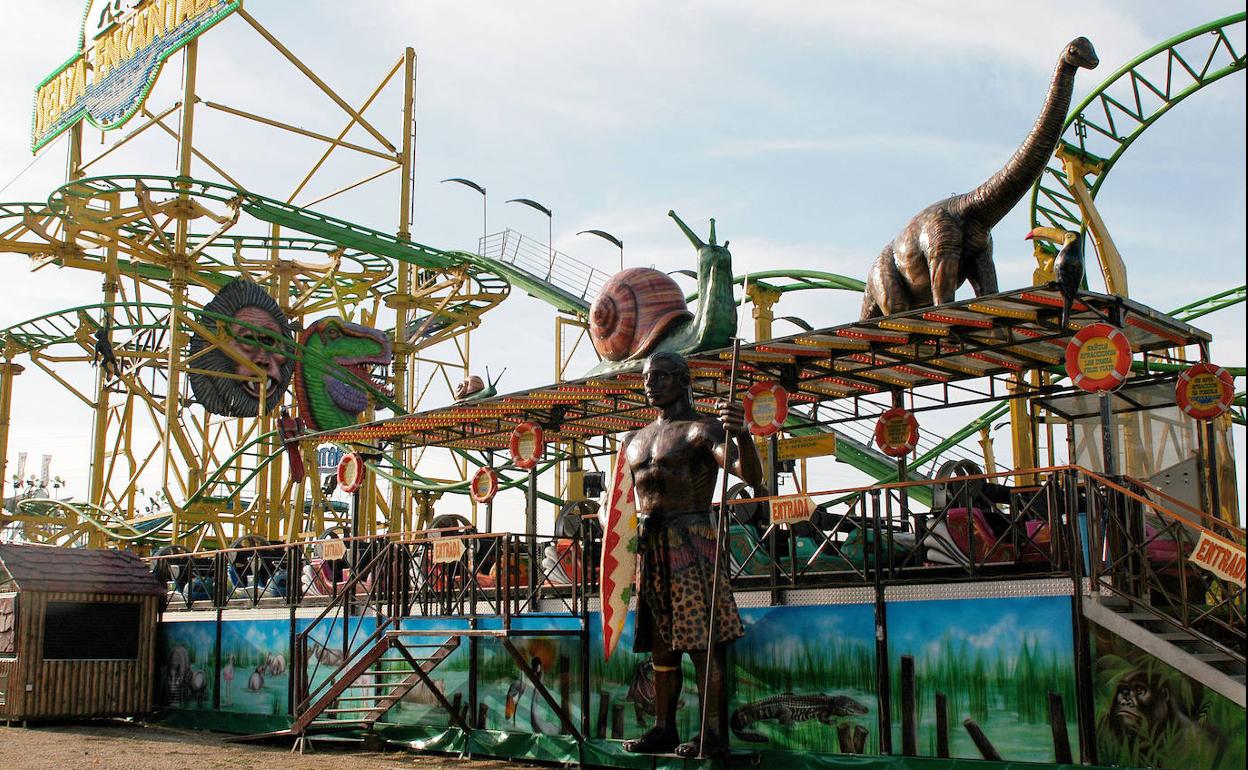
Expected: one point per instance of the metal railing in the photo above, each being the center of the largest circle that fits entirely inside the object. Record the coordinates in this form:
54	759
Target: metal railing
1126	538
540	261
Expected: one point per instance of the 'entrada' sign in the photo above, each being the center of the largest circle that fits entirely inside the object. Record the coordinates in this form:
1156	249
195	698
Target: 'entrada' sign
121	47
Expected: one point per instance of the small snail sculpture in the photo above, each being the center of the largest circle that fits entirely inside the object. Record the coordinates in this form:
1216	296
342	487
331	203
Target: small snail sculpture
641	311
473	388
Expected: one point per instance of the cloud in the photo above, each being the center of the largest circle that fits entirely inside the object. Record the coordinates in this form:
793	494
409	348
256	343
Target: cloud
1008	32
896	145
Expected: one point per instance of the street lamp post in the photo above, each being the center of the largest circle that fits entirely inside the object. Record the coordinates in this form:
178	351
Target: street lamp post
608	237
484	200
550	229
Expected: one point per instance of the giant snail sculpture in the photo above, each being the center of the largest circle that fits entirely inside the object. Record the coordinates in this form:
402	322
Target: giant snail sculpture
641	311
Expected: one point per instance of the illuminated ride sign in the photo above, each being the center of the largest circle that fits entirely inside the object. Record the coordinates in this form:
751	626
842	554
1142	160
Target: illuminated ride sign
121	48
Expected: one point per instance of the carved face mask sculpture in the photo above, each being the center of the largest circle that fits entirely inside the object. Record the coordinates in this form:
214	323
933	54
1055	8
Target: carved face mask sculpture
260	336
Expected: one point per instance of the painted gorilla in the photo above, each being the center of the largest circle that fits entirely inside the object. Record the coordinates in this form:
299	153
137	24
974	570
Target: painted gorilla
262	340
1146	715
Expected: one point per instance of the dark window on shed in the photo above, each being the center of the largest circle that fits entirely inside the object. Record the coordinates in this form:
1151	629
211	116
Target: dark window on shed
86	631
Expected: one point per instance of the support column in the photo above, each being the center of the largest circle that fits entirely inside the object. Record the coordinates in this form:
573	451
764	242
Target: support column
764	299
8	370
402	349
1022	431
177	286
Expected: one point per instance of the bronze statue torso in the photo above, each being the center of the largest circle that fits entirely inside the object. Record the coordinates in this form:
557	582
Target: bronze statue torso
674	465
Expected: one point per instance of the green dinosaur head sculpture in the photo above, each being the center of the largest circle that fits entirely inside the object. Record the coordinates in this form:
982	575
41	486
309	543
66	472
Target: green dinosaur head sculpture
327	398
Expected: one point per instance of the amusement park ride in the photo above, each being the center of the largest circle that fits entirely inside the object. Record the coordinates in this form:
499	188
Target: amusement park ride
355	321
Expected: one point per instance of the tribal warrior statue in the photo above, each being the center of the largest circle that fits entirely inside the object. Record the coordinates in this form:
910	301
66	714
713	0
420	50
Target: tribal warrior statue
675	462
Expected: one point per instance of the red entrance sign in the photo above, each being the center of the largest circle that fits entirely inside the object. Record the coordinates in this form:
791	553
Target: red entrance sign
1098	358
897	432
527	444
351	472
1204	391
484	485
766	407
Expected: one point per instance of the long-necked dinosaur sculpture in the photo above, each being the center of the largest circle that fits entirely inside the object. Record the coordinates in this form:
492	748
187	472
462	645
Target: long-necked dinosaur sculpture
951	241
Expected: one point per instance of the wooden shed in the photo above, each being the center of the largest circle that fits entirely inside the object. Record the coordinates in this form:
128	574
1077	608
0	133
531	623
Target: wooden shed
77	633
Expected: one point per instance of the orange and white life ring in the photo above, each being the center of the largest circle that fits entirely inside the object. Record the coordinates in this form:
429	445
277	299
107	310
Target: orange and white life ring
766	407
484	485
897	432
1098	358
527	444
351	472
1204	391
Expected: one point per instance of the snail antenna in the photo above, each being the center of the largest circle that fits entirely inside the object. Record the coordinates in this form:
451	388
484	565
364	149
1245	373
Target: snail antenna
693	238
712	231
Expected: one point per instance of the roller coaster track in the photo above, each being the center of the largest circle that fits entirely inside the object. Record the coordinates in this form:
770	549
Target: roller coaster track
82	205
79	515
1106	123
1210	304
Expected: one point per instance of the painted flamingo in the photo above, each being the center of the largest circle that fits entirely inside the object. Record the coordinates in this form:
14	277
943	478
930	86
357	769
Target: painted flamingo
227	674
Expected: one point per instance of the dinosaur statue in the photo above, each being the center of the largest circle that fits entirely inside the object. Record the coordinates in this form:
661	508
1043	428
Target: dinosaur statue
640	311
325	401
951	241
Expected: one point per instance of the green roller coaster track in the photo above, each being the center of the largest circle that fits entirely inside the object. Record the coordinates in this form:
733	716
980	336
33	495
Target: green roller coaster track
1106	123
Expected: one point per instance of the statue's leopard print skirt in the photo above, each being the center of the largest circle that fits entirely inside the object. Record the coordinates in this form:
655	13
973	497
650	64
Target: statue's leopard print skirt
677	563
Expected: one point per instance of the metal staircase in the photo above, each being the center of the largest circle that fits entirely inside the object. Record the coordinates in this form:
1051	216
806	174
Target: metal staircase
1143	587
374	662
362	689
1203	659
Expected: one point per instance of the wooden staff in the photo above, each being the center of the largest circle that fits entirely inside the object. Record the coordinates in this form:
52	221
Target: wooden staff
721	532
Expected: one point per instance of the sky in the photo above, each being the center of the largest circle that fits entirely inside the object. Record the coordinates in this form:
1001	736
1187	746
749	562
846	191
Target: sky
811	131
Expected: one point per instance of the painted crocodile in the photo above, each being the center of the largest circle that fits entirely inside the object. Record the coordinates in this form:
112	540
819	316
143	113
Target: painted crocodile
789	708
326	401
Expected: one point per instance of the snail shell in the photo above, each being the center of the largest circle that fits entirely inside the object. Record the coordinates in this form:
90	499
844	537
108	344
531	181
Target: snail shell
468	386
636	309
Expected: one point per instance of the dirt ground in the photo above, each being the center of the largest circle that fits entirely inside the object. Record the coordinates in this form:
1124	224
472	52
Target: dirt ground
126	746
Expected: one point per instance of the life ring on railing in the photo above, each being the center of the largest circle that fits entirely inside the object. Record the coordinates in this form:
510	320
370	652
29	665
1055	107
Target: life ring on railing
897	432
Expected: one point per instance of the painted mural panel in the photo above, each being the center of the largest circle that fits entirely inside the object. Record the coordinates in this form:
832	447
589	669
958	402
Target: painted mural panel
511	701
254	667
802	678
1148	714
805	679
995	661
186	665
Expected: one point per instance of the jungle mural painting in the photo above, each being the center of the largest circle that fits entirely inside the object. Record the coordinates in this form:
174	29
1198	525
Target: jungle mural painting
255	676
186	665
801	678
1150	714
995	661
805	679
